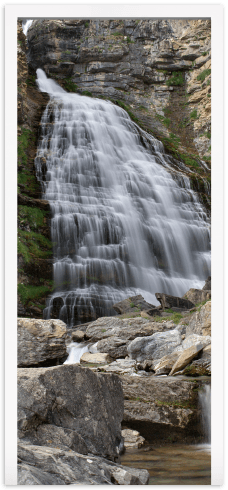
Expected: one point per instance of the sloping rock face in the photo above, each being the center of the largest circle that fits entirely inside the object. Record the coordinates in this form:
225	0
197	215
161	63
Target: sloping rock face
86	405
52	466
34	244
40	342
153	68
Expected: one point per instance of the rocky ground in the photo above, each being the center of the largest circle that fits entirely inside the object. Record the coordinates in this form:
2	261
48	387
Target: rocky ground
144	373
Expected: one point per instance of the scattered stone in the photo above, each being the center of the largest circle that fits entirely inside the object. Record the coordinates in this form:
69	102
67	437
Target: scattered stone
132	439
40	342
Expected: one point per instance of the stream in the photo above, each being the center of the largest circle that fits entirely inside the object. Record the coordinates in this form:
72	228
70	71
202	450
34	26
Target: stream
172	464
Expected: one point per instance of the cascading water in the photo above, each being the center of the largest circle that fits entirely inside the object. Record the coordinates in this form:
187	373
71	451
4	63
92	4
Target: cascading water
205	405
122	222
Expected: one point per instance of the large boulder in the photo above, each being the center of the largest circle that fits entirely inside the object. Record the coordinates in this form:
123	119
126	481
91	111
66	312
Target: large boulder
40	342
156	346
87	405
186	357
200	322
168	301
40	465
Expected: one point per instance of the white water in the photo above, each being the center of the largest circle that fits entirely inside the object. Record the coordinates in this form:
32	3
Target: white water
76	349
25	26
121	225
205	404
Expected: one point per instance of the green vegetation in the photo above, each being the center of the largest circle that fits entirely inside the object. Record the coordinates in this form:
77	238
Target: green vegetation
193	114
208	135
116	34
201	77
173	140
175	318
204	53
176	79
177	404
132	305
31	215
70	85
129	40
33	245
22	144
87	24
27	292
87	93
165	120
31	81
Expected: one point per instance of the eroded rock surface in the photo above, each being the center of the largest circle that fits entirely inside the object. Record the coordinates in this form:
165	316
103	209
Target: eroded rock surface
200	322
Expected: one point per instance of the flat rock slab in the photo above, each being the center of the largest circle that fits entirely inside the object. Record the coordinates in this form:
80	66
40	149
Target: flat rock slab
97	358
168	301
40	465
74	398
131	304
40	341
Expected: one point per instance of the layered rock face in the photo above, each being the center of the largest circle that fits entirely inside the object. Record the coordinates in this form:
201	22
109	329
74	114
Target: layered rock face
34	245
155	67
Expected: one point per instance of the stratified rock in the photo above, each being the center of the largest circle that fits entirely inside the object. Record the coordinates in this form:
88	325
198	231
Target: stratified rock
134	303
197	295
155	346
186	357
159	406
77	336
168	301
200	322
96	358
132	439
207	285
40	341
39	465
89	404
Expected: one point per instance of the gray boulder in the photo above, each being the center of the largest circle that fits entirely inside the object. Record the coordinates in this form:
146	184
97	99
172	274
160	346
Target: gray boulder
134	303
88	404
168	301
156	346
40	341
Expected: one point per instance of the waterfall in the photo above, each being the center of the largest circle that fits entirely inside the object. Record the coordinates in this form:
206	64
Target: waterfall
25	26
123	221
205	405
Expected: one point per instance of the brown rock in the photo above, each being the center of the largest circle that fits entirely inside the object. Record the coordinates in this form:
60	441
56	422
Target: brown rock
186	356
97	358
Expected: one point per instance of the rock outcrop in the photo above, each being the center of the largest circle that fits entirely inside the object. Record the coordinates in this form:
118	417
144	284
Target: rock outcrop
40	342
200	322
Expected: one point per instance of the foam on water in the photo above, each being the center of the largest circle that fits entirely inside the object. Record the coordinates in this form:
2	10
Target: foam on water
122	222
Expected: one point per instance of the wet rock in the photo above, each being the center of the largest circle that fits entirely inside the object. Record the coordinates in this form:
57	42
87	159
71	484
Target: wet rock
132	439
168	301
71	397
156	346
186	357
96	358
131	304
39	465
40	341
200	322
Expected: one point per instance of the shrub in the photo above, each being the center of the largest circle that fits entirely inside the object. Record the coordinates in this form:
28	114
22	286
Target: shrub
201	77
176	79
193	114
